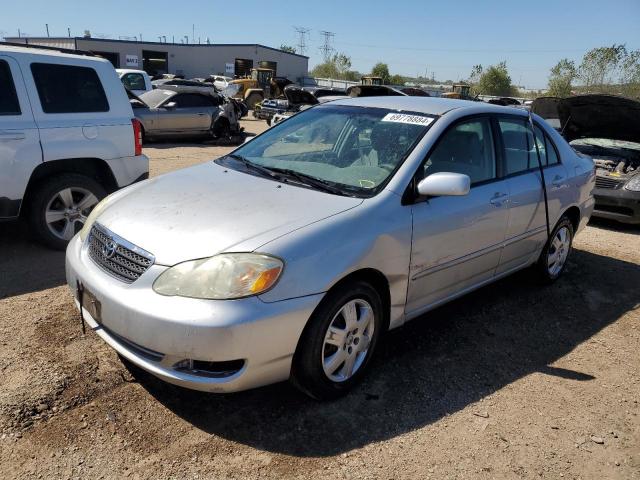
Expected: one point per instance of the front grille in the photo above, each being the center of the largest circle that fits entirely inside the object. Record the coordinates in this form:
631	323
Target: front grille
116	256
607	182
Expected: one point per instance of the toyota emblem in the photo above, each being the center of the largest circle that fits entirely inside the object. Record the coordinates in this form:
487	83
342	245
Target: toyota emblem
109	248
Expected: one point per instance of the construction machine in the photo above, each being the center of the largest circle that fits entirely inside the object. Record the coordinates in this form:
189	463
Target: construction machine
460	91
260	85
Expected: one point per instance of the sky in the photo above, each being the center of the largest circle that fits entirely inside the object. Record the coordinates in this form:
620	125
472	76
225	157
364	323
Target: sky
443	38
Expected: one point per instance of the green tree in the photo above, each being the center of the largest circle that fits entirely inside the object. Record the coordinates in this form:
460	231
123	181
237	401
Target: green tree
338	67
495	80
287	48
600	65
396	80
562	76
381	70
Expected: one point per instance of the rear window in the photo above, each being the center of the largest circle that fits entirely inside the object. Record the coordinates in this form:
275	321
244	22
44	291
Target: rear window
8	99
133	81
69	89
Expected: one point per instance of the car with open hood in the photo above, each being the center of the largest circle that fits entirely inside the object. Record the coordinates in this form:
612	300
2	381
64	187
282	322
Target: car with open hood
606	128
290	257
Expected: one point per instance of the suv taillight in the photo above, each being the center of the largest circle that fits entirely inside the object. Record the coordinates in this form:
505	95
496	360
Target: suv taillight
137	136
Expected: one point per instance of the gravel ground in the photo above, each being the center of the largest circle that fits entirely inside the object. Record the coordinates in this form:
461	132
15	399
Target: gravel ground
512	381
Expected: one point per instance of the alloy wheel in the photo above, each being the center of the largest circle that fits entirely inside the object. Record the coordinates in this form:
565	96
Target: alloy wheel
347	340
67	211
558	251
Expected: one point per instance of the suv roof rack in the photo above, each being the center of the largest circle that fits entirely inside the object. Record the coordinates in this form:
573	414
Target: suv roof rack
55	49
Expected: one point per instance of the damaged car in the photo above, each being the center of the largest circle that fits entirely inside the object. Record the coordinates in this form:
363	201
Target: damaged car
296	99
607	129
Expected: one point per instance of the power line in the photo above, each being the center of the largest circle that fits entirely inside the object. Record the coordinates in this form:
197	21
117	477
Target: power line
302	39
326	48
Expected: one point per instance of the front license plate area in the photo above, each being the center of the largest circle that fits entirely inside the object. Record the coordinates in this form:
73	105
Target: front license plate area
92	305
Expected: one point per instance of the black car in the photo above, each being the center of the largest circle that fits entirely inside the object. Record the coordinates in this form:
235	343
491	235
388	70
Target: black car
606	128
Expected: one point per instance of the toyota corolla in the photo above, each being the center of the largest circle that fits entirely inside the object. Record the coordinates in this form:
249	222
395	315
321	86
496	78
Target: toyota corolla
291	257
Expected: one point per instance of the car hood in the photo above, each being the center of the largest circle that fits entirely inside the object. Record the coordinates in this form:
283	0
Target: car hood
298	96
593	116
200	211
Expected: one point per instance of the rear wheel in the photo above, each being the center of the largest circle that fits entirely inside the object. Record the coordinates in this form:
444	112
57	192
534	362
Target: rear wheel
60	206
339	341
553	258
252	99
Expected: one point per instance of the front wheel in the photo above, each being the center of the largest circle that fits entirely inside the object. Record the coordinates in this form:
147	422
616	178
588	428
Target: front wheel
59	207
337	345
553	258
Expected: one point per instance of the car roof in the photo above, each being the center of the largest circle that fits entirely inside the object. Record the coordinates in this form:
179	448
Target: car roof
428	105
48	52
129	70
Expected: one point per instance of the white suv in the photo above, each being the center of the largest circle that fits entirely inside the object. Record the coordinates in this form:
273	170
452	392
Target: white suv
68	137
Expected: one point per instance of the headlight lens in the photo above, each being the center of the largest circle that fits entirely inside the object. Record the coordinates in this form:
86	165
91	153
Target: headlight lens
633	184
222	277
86	228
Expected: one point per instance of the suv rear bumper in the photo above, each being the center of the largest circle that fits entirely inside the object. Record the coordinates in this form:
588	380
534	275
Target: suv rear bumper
128	170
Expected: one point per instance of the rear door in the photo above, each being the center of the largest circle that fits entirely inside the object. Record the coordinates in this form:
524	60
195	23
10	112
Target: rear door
526	231
20	150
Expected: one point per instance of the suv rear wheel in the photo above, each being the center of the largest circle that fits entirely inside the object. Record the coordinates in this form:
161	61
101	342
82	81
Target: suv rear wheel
60	206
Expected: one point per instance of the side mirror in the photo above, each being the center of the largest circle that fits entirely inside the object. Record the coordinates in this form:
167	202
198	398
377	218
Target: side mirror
444	184
170	105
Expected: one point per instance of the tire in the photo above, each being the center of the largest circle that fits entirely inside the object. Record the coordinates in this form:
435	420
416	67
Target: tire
269	121
558	247
312	371
62	197
252	99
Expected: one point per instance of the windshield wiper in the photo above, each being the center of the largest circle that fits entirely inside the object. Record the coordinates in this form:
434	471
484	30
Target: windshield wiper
310	180
254	166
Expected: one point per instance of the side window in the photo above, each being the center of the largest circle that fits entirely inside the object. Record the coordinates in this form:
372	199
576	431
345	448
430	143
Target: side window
69	89
547	150
133	81
466	148
191	100
9	104
520	152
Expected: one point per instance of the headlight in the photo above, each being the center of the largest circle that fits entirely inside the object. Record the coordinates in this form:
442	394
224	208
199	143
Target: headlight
86	228
633	184
222	277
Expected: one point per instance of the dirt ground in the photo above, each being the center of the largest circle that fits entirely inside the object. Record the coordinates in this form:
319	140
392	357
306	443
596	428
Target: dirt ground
512	381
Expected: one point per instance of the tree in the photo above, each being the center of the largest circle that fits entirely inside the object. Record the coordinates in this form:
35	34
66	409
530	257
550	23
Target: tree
599	66
396	80
381	70
495	80
562	76
287	48
338	67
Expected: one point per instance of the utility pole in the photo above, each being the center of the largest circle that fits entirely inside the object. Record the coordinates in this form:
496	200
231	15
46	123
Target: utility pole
69	31
186	39
326	48
193	33
302	39
47	26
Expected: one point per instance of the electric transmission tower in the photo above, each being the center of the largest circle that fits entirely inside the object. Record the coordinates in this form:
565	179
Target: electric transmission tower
326	48
302	39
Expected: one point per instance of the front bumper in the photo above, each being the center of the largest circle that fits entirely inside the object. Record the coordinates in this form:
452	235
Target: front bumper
156	332
617	204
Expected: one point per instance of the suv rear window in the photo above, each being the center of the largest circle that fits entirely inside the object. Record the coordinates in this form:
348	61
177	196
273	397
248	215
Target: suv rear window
8	99
69	89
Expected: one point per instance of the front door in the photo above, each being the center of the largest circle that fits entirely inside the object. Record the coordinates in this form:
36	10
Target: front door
191	114
457	240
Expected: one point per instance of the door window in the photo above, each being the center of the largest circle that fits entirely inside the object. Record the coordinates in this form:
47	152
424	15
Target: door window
133	81
548	155
68	89
9	104
466	148
520	152
192	100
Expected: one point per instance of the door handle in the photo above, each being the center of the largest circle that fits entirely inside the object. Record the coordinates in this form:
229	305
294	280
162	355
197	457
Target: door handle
498	199
557	182
12	135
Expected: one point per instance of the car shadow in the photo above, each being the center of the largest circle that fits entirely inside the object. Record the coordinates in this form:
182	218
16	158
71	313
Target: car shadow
25	265
432	367
612	225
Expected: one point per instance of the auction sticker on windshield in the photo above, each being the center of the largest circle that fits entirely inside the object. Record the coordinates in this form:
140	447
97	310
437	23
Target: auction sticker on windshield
405	118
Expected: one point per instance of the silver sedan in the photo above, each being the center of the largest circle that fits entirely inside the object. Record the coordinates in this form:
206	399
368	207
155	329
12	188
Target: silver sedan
180	112
292	256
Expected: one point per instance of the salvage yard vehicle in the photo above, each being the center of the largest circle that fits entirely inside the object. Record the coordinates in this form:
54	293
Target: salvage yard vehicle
262	84
606	128
302	247
461	91
138	81
68	137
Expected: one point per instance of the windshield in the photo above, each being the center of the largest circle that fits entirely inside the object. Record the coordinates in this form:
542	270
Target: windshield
231	89
153	98
354	147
